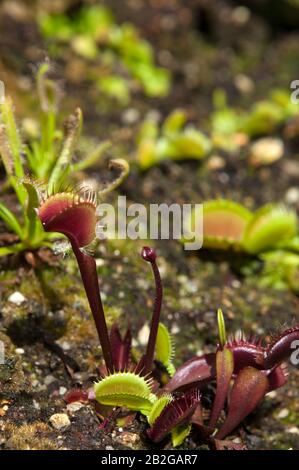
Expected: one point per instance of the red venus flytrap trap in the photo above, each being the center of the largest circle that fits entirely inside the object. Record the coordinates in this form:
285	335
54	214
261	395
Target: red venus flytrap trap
242	370
74	215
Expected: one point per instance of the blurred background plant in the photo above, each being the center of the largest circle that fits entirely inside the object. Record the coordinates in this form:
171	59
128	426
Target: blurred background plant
231	127
174	140
228	129
122	56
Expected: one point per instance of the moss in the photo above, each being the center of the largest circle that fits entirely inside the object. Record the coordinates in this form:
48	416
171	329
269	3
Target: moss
12	378
37	436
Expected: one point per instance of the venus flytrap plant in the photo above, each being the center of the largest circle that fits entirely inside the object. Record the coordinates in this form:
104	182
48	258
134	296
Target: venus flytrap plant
231	127
74	215
270	234
251	367
242	369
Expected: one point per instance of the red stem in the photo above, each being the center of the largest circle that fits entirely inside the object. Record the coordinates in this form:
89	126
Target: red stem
150	351
89	276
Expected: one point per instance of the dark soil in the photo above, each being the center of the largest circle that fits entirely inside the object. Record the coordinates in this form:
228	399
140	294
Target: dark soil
206	48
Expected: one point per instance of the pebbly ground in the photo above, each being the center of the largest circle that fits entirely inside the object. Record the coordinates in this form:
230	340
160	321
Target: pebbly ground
54	310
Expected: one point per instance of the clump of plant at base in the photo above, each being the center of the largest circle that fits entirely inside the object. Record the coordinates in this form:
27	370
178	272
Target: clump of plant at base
242	369
46	155
121	58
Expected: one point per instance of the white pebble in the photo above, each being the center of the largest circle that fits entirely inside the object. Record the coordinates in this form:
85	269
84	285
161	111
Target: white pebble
60	421
143	335
283	413
19	351
265	151
293	430
75	406
292	195
49	379
17	298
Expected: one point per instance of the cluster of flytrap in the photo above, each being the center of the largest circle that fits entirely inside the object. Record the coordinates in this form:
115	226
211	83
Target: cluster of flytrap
269	234
227	224
243	370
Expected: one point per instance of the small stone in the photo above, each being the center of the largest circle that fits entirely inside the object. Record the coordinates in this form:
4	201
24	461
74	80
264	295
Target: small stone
62	390
236	284
241	15
129	438
283	413
216	162
191	287
292	195
266	151
74	407
293	430
186	303
17	298
130	116
109	448
49	379
244	83
175	329
100	262
65	346
143	335
19	351
60	421
36	405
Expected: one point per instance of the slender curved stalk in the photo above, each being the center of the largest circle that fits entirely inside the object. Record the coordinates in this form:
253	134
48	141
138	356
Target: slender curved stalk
87	266
149	255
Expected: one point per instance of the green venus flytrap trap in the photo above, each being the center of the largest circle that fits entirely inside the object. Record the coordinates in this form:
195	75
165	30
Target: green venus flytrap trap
174	140
269	234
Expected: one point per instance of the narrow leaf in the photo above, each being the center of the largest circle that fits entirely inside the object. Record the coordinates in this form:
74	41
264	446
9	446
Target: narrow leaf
13	139
9	250
121	348
10	220
221	327
93	158
224	372
73	126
